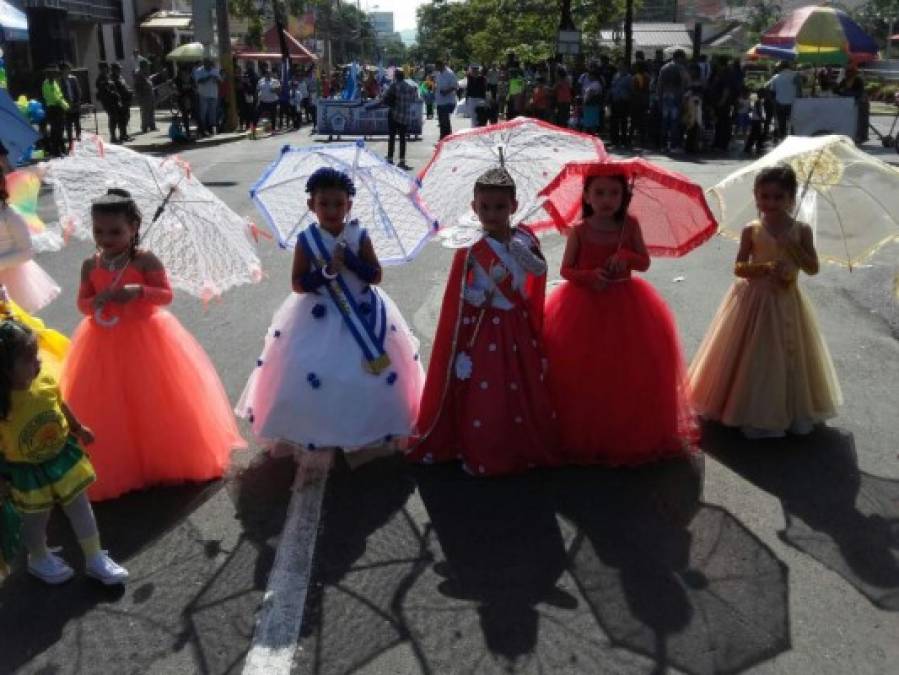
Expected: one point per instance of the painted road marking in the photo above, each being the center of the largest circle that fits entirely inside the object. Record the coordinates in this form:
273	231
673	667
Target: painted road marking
281	614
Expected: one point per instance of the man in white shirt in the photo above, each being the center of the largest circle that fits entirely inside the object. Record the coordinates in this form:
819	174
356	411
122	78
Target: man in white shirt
445	96
269	89
208	79
785	85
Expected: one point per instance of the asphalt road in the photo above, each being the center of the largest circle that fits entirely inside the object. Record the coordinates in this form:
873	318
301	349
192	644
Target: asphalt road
780	557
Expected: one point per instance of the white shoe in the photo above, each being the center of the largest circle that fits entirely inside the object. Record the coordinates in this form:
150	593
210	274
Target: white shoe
105	570
50	569
756	434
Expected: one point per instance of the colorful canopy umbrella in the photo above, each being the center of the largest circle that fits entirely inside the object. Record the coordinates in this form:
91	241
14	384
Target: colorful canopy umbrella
531	150
205	246
671	209
818	35
850	198
830	57
387	200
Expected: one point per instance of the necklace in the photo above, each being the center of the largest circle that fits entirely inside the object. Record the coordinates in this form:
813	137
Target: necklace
116	262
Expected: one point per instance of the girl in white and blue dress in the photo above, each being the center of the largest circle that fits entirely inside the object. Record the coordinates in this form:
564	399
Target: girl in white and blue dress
340	368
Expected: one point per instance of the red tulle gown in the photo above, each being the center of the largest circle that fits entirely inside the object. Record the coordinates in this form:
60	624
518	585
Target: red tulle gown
147	390
616	373
485	400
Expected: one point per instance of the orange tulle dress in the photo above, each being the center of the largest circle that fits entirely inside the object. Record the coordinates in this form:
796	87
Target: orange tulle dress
147	390
616	373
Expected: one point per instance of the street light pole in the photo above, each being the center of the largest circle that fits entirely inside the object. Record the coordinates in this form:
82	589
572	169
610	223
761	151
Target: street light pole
567	22
226	63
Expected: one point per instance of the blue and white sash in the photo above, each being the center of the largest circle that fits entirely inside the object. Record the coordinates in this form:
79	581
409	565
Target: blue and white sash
369	329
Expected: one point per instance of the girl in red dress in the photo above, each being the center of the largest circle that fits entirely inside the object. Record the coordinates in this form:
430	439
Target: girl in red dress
616	372
485	399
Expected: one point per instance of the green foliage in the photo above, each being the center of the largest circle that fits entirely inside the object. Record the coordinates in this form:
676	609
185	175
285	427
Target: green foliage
484	31
762	15
874	17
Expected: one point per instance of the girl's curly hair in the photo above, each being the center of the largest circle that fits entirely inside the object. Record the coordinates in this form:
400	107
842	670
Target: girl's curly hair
14	338
328	178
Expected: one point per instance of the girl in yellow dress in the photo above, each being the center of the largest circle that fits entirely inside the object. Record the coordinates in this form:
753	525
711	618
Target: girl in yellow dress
763	365
43	461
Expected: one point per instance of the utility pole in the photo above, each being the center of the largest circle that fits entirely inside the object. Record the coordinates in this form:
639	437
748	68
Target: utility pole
628	32
567	22
568	40
279	25
226	63
890	38
326	41
343	54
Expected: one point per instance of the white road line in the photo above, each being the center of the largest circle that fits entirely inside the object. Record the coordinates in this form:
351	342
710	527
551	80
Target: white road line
281	614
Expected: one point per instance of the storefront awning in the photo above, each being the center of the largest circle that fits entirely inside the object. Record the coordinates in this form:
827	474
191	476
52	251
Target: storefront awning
13	23
166	21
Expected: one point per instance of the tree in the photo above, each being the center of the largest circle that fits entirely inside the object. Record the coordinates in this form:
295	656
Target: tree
484	31
762	14
875	17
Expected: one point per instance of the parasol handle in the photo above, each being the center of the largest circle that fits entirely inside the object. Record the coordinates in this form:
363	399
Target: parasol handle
103	321
165	202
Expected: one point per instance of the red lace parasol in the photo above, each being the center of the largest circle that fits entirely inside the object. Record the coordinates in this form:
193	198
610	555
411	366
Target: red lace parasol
673	214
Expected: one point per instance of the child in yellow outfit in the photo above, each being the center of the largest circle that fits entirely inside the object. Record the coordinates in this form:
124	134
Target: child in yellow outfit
42	460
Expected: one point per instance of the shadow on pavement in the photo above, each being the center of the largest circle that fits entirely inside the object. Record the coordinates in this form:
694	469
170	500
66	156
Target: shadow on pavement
580	570
844	518
190	604
366	555
681	582
82	617
503	551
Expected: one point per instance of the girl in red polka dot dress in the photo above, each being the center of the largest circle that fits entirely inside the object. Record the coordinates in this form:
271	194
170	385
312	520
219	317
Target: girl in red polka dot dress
485	400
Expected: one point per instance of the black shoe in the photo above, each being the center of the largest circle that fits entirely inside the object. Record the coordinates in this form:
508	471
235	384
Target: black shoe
389	160
402	165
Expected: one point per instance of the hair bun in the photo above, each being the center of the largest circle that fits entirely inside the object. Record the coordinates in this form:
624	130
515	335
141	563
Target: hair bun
114	197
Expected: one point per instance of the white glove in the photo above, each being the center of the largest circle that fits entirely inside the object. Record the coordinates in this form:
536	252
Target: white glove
528	259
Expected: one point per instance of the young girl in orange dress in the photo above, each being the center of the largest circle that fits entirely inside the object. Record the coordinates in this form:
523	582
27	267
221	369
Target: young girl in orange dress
135	375
616	374
763	365
485	400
